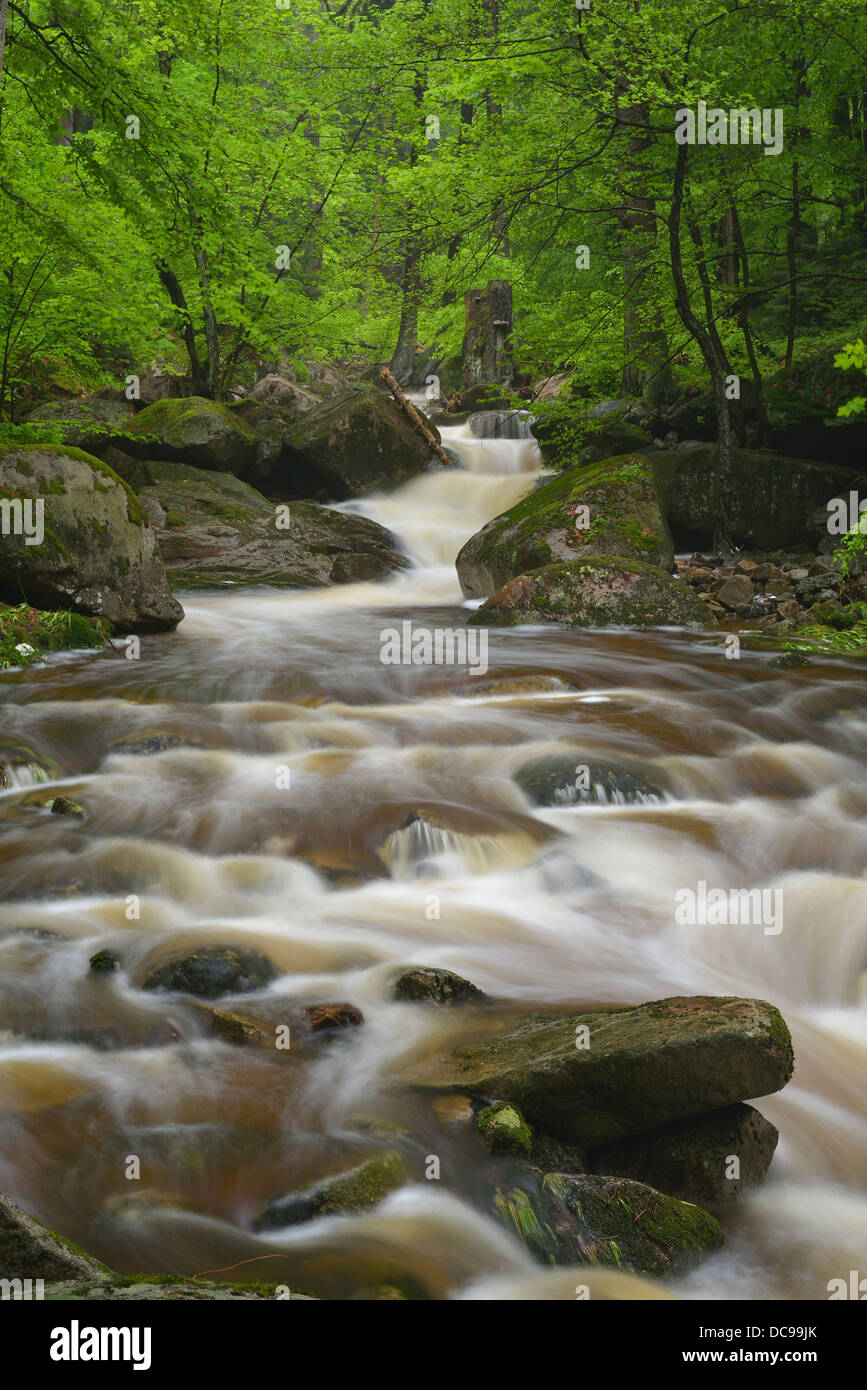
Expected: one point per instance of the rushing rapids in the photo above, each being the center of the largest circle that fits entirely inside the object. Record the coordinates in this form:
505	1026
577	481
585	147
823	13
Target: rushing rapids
277	811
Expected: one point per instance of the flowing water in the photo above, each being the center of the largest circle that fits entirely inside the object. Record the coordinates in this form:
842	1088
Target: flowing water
205	844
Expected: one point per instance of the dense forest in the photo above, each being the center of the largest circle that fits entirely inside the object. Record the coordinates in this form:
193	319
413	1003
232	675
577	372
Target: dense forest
433	608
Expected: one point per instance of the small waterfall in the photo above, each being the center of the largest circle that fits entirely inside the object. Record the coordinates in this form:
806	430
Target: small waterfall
501	424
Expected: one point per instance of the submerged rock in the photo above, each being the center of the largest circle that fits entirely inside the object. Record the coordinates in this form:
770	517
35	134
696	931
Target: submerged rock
592	1078
29	1250
610	508
563	780
347	1194
328	1018
212	971
151	741
570	1219
424	984
602	592
98	555
693	1158
104	962
219	530
231	1027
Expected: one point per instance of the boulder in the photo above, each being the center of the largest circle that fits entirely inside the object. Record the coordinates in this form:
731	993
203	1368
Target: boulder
357	443
29	1250
570	1219
219	530
274	390
692	1158
631	1070
347	1194
98	555
192	430
504	1130
622	517
773	497
427	985
605	591
212	971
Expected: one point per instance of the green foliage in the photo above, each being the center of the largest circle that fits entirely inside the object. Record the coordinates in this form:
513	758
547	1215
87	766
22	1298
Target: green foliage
853	355
26	634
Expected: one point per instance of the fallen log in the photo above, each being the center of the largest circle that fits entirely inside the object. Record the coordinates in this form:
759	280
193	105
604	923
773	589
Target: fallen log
415	417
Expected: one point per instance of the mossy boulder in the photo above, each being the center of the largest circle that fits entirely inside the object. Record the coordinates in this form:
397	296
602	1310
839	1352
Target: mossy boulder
504	1130
357	443
609	508
212	971
192	430
603	591
773	498
346	1194
425	984
592	1078
569	779
692	1159
98	555
569	1219
214	529
30	1250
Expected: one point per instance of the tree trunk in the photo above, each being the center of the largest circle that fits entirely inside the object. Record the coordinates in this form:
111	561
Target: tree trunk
646	371
486	352
403	358
4	15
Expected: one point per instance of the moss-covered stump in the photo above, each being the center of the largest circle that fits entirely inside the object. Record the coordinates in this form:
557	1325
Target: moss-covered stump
192	430
605	591
345	1195
214	529
423	984
360	442
570	1219
772	498
30	1250
568	779
609	508
712	1158
212	971
592	1078
97	554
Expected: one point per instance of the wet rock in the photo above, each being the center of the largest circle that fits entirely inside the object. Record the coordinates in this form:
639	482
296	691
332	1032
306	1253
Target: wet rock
568	1219
424	984
164	1033
786	660
64	806
517	685
218	530
693	1158
326	1018
232	1027
563	780
22	767
505	1131
622	517
102	1037
593	1078
192	430
347	1194
605	591
104	962
357	443
98	555
212	971
152	741
29	1250
735	592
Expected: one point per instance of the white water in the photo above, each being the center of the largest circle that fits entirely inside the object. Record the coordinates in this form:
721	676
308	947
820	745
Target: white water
570	904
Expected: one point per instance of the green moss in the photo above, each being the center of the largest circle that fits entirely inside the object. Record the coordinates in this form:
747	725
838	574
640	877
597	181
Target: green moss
45	632
505	1130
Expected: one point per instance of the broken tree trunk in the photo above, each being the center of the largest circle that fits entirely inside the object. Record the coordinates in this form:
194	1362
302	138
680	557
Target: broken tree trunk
485	352
415	417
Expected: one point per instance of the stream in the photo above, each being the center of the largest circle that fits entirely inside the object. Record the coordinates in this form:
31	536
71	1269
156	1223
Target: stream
571	904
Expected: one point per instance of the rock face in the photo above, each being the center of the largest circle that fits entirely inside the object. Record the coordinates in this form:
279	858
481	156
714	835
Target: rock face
606	591
773	498
29	1250
194	430
98	556
214	529
692	1158
570	1219
642	1067
348	1193
358	443
610	508
212	971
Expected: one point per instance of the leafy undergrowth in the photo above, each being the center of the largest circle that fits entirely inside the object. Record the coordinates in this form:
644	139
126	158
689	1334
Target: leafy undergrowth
26	634
819	637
